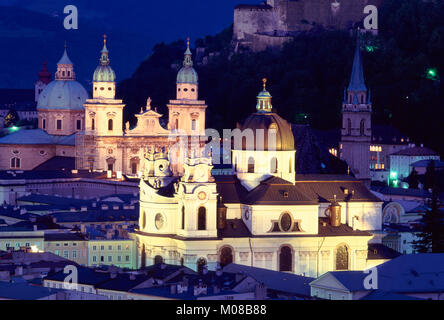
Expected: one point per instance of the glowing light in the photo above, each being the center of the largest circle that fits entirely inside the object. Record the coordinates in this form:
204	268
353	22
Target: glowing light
432	74
393	174
14	128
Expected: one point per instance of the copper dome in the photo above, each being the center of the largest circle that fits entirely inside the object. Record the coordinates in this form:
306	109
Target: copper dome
267	121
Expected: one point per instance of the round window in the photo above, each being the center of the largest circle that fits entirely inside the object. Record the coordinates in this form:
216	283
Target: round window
159	221
285	222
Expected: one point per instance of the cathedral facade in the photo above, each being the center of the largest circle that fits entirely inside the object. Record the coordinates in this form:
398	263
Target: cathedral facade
266	215
106	145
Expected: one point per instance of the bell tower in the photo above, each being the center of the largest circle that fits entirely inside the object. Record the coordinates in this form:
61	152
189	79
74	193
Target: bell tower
356	122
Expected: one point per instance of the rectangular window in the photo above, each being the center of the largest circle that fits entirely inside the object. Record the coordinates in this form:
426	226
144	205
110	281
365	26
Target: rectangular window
57	252
110	259
27	245
74	254
66	254
102	248
65	244
119	247
59	124
110	248
79	124
119	258
94	259
44	123
127	258
94	248
102	258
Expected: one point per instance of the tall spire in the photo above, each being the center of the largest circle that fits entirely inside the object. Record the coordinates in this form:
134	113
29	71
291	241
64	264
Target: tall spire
44	74
104	72
357	82
188	61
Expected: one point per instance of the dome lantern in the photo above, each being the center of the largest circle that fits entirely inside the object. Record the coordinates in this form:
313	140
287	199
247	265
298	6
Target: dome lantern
264	99
65	68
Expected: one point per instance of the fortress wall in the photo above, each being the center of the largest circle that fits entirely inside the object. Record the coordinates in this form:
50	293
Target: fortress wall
251	21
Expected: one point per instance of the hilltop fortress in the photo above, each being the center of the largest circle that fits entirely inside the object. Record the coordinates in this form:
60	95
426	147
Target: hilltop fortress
273	22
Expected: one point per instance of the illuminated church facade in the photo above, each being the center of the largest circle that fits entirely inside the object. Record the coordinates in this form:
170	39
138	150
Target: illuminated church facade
265	215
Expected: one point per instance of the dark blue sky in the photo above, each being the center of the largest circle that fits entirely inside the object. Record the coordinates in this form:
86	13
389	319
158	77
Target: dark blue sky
133	27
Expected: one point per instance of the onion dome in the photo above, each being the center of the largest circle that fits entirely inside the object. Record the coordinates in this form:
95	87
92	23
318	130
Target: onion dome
44	74
187	74
104	73
262	122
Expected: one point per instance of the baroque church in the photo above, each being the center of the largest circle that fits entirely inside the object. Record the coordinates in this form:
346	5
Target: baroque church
265	214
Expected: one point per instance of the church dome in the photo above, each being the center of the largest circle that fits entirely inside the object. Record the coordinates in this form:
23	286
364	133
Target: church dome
187	74
66	95
104	72
265	120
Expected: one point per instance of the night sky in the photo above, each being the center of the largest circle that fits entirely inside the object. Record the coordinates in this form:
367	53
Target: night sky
133	27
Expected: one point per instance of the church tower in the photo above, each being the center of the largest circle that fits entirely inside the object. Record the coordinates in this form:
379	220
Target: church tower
103	119
356	122
187	113
103	113
42	82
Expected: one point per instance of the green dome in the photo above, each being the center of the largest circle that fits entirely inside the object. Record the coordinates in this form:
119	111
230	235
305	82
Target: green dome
187	75
104	74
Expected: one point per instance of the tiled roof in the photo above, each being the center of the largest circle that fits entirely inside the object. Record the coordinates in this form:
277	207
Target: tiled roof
415	151
24	291
380	251
57	163
276	191
85	276
327	230
64	236
37	136
274	280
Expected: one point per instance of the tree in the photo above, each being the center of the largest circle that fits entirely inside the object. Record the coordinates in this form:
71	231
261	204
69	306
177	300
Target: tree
11	118
431	237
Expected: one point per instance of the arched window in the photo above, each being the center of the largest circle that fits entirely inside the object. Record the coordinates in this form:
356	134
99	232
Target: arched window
134	164
285	259
177	124
110	124
342	258
15	163
251	165
225	256
202	218
79	124
93	124
349	126
158	260
193	124
44	123
183	217
274	165
201	263
362	127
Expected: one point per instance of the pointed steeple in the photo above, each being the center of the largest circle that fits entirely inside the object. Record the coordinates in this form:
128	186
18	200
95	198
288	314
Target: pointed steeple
188	61
65	59
264	99
357	82
104	59
44	74
65	68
